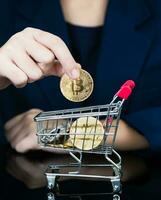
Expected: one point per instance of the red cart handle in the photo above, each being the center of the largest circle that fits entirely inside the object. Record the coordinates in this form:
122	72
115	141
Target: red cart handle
126	89
129	83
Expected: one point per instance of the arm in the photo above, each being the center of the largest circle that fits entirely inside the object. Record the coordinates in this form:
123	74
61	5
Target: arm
21	133
148	123
129	138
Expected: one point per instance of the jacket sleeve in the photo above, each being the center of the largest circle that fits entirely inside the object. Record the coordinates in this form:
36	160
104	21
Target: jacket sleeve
147	122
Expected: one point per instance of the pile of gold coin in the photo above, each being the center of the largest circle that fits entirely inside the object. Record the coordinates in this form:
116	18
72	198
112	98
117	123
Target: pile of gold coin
86	133
79	89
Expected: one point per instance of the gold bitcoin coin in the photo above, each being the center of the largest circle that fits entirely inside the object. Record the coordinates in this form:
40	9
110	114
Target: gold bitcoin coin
86	133
68	144
79	89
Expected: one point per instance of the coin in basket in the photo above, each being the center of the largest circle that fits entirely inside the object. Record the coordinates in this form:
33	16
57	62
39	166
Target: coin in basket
79	89
55	135
86	133
68	144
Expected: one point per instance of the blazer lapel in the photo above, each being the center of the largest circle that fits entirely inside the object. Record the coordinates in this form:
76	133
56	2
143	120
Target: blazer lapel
126	41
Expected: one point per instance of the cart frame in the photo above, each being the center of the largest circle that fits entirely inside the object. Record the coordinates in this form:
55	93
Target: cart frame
49	133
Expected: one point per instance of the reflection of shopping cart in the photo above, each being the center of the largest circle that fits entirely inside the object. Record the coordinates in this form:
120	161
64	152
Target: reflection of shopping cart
60	130
83	189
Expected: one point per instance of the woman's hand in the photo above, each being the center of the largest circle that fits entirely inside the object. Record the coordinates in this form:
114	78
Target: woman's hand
21	131
32	54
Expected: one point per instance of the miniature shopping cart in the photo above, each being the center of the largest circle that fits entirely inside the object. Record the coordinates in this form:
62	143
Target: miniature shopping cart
55	132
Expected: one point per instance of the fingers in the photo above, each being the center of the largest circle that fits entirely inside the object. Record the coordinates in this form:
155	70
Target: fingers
22	128
14	121
13	73
59	49
32	54
38	52
25	64
28	143
17	133
52	68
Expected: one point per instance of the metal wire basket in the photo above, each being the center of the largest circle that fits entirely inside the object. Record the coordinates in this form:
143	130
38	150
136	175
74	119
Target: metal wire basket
84	130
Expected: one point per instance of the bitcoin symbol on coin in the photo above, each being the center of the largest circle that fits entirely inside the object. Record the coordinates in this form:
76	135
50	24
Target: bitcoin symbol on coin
86	133
77	90
77	86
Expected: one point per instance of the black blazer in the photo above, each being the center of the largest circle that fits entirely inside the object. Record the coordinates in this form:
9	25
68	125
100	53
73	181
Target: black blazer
130	49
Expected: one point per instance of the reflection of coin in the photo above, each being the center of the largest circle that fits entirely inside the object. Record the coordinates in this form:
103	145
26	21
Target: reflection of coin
86	133
79	89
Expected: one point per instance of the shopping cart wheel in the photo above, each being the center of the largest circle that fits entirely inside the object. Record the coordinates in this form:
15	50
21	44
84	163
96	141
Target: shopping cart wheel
50	196
116	197
116	185
51	181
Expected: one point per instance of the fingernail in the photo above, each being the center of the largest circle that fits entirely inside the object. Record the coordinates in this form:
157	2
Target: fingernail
75	73
79	66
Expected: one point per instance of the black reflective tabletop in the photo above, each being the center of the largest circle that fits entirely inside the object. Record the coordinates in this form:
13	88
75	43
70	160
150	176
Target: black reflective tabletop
22	177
